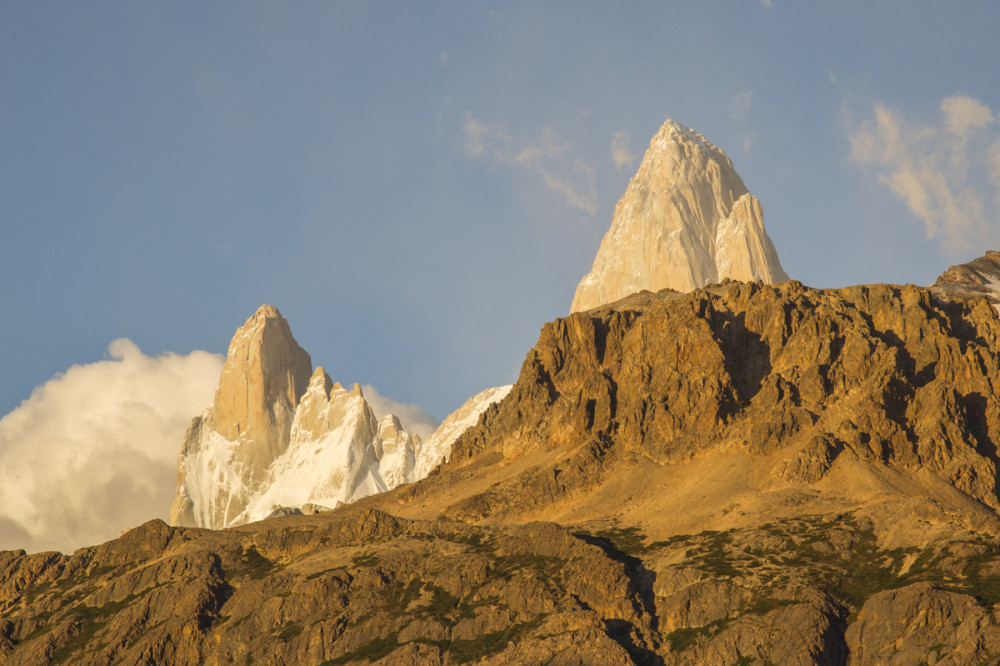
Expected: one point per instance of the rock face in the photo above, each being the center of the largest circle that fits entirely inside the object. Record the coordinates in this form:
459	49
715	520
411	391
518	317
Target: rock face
279	436
883	373
228	450
743	474
685	221
979	278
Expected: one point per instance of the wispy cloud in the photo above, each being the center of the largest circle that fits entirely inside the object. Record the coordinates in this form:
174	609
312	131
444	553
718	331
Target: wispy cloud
93	451
619	151
742	103
546	155
947	172
766	4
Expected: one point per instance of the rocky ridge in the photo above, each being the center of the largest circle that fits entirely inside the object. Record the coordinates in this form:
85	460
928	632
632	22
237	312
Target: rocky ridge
742	474
979	278
685	220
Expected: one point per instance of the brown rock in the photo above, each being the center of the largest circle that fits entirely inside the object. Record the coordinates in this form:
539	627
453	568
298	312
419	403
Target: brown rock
922	623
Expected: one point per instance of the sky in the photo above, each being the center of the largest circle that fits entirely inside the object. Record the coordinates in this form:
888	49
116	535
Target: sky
418	187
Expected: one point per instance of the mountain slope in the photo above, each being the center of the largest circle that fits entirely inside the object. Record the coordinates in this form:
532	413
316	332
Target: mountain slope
741	474
685	220
798	384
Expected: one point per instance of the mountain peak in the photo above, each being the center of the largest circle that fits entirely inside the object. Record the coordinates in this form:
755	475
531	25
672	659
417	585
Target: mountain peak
265	374
686	220
979	278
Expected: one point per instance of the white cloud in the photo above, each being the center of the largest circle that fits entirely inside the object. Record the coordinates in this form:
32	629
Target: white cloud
766	4
547	156
445	58
948	180
94	450
411	417
964	113
619	151
742	103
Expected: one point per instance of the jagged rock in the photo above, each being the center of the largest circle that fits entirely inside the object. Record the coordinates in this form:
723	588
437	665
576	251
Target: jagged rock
979	278
228	449
280	436
685	221
882	372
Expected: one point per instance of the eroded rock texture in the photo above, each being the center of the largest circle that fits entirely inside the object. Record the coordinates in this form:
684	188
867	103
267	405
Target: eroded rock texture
882	372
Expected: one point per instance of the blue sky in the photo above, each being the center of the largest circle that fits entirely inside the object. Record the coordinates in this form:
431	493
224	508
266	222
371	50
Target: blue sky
418	187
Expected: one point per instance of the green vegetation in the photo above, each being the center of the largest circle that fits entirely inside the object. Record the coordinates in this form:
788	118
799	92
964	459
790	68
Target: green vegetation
711	554
462	651
398	597
628	540
839	555
684	637
465	651
371	651
365	560
982	584
507	565
89	620
253	565
289	631
443	602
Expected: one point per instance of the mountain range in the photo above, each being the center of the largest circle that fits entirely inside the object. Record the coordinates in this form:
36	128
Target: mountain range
731	468
279	436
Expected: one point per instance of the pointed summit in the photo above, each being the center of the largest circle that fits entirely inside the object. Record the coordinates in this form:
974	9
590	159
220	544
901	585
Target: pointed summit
265	374
279	434
686	220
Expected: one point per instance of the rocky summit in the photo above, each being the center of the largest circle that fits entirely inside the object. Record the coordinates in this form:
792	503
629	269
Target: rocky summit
686	220
742	474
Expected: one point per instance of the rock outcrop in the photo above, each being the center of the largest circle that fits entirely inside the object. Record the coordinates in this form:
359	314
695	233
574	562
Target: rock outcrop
685	221
886	374
979	278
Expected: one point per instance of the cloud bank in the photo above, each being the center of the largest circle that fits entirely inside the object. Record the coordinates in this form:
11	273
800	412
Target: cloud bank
546	155
946	172
413	419
94	450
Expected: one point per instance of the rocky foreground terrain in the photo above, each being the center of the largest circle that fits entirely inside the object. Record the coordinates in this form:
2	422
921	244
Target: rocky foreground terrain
744	474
